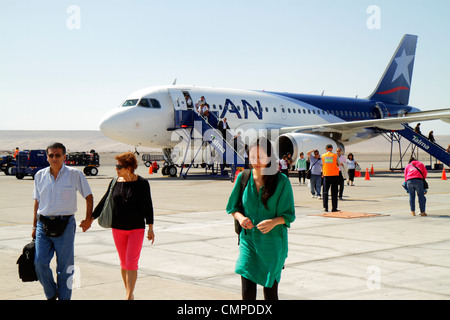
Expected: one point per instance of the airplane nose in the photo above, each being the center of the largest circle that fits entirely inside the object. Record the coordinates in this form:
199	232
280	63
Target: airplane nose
105	124
109	124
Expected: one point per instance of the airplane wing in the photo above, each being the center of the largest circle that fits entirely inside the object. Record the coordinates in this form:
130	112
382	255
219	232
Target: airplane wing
385	124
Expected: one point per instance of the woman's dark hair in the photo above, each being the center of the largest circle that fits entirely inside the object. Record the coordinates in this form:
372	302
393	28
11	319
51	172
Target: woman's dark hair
269	179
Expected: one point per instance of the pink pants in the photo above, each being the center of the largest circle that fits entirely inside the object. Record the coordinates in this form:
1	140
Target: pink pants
129	245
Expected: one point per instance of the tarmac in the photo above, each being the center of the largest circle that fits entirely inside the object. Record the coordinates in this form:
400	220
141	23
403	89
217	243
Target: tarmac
385	255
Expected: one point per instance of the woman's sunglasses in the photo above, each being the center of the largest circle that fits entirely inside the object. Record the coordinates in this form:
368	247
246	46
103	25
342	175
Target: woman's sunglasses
118	166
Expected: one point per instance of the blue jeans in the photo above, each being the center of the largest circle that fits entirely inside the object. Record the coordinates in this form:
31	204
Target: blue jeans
316	184
413	186
64	248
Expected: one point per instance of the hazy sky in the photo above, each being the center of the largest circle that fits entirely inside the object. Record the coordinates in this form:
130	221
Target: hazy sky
66	63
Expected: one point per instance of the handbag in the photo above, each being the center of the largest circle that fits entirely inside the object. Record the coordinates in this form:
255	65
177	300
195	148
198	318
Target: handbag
27	272
308	174
105	218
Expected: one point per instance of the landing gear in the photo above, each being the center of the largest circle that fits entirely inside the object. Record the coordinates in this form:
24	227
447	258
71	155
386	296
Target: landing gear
169	168
172	171
169	171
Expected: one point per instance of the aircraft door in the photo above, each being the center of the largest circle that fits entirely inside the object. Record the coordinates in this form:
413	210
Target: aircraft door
179	102
383	110
179	107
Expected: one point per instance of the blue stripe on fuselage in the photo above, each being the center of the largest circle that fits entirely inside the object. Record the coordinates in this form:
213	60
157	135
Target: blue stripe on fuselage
344	108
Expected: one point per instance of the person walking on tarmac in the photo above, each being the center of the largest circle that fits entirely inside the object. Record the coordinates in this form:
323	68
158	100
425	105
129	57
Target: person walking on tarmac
55	196
330	171
265	210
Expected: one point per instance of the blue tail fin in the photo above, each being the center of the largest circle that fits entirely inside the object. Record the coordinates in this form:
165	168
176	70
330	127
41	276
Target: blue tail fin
395	84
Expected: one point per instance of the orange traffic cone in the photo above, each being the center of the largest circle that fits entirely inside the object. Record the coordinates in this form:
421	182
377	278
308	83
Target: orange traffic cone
150	170
444	176
371	171
367	174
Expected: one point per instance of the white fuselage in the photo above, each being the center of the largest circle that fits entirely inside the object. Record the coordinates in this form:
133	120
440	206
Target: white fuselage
244	109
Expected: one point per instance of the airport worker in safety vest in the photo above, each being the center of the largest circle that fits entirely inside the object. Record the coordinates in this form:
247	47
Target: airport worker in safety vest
330	171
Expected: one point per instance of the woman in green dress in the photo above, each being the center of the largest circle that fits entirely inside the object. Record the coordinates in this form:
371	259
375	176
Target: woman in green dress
268	205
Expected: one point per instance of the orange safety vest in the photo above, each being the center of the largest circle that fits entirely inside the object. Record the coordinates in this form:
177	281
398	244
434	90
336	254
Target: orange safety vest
329	164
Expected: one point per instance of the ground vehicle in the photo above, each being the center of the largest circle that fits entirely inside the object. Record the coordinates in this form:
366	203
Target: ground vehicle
148	158
91	160
7	163
28	162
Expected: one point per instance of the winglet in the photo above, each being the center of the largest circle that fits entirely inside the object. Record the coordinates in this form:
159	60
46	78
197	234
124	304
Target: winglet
395	84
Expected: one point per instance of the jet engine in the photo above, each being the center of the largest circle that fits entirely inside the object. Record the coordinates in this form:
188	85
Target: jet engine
294	143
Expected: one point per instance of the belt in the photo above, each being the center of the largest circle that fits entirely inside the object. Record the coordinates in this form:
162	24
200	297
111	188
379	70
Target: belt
41	217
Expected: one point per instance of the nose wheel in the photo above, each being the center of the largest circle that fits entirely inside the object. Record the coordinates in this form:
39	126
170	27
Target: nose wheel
169	168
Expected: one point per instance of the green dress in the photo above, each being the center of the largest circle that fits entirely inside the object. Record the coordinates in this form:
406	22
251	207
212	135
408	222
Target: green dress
261	256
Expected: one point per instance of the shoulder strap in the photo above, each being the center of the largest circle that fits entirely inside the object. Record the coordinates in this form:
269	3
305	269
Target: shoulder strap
314	164
244	181
245	177
419	171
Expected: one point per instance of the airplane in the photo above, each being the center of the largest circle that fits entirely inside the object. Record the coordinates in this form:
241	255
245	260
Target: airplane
149	117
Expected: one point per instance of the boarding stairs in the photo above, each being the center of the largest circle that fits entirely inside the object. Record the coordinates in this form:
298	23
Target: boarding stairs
417	141
200	132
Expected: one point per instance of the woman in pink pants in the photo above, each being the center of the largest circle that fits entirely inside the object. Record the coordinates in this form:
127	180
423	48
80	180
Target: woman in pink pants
132	210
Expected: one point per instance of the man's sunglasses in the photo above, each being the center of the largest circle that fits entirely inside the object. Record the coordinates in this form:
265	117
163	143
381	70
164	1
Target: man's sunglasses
51	155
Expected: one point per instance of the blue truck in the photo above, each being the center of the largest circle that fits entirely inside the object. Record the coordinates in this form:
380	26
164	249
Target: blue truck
28	162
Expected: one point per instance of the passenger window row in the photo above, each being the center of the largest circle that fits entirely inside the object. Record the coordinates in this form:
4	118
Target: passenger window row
339	113
154	103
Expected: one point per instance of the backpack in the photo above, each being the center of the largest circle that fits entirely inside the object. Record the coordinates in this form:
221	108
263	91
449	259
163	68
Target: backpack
26	263
244	180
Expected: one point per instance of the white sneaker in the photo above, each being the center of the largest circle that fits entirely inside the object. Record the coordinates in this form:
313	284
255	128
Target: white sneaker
319	197
313	196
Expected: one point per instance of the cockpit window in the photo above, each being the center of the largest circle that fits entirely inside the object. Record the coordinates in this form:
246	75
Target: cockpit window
144	103
155	103
149	103
130	103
